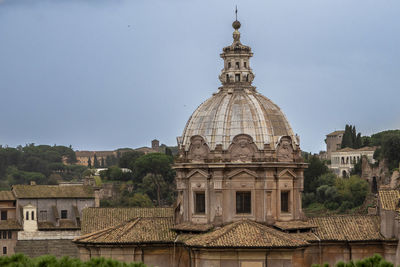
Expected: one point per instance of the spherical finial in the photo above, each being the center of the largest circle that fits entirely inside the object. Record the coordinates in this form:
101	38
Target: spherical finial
236	25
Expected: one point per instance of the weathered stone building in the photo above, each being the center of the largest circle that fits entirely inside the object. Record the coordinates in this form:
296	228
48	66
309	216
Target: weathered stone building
343	160
43	219
333	142
239	177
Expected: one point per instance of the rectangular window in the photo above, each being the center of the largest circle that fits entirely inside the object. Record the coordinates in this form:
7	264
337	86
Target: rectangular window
3	215
243	202
64	214
237	77
4	234
9	235
245	64
27	215
0	234
237	65
200	201
285	201
4	250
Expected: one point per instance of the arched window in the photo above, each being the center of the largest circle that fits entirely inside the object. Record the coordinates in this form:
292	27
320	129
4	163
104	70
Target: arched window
27	216
229	65
33	215
237	65
227	77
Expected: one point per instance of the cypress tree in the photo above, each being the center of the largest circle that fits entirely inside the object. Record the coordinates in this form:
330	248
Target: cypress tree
89	162
95	162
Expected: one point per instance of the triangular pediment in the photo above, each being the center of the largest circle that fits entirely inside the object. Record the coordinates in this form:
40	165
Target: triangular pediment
201	172
240	171
288	173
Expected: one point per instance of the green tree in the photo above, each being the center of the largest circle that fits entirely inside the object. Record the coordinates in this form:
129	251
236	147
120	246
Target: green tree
140	200
156	167
391	150
315	169
127	160
89	162
96	163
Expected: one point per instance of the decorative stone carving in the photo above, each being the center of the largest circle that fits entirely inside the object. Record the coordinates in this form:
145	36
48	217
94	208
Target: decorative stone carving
242	148
198	150
284	150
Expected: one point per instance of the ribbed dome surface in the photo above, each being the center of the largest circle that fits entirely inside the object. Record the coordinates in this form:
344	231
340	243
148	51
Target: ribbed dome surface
229	113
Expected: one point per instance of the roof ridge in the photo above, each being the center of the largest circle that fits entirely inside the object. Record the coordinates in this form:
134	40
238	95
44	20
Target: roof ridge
133	222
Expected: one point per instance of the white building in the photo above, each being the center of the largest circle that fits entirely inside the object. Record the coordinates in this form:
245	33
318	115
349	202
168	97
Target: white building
343	160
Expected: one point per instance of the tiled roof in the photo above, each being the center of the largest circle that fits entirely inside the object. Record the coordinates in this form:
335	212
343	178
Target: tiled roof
335	133
349	149
53	191
95	219
63	225
137	230
245	234
189	227
6	196
389	199
10	224
294	225
347	228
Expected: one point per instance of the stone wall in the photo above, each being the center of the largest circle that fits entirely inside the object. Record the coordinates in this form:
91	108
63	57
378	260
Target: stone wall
58	248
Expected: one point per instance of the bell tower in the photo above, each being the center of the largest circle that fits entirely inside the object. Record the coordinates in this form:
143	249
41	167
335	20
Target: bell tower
236	72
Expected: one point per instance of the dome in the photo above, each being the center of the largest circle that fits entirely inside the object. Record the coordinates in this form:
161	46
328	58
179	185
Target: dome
237	108
227	114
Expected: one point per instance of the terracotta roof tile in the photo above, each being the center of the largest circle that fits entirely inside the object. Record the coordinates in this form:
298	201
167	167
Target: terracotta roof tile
95	219
347	228
189	227
245	234
63	225
137	230
6	196
10	224
53	191
389	199
294	225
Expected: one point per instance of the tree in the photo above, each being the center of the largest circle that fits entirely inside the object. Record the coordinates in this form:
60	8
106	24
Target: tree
140	200
156	167
127	160
95	162
102	162
89	162
315	169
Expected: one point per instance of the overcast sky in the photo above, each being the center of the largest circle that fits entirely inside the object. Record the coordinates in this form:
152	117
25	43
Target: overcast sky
99	74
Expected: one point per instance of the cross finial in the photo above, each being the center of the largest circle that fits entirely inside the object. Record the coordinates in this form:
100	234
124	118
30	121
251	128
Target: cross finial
236	12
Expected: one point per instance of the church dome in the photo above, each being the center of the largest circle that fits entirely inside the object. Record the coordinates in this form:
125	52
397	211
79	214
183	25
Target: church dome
237	108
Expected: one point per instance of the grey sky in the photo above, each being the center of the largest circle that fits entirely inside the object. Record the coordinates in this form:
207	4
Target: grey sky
100	74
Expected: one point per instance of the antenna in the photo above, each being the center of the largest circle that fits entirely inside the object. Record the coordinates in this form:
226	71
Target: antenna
236	12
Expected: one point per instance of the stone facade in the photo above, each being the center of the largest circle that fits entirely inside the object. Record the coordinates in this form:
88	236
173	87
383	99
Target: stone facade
343	160
333	142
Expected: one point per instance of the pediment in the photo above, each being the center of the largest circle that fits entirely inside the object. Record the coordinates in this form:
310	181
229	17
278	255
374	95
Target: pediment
240	171
197	171
288	173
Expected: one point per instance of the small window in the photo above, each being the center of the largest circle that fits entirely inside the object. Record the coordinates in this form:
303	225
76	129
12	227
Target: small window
227	77
27	215
0	235
237	77
229	65
4	234
4	250
9	235
64	214
243	202
237	65
200	201
33	215
245	64
247	78
3	215
285	201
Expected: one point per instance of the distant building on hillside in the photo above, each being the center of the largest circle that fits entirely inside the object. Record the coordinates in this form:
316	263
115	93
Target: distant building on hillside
83	157
343	160
333	142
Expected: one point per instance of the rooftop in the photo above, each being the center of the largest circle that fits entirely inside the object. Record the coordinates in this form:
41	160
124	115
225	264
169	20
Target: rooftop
335	133
6	196
95	219
53	191
389	199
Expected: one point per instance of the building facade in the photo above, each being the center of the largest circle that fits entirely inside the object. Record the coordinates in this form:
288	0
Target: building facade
43	219
333	142
343	160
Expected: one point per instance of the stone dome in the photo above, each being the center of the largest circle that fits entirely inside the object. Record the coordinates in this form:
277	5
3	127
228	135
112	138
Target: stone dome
237	108
230	113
